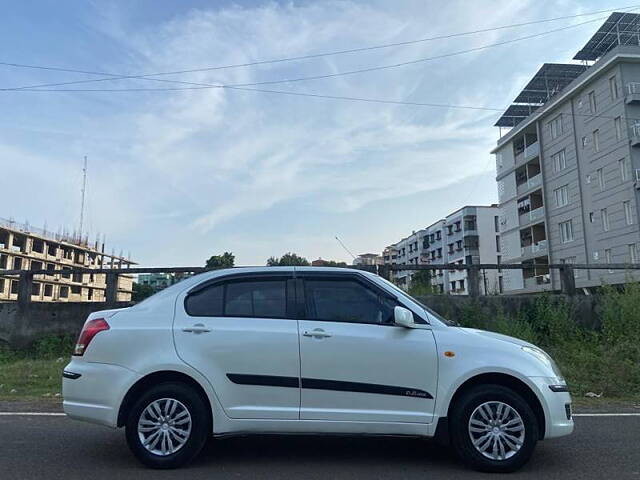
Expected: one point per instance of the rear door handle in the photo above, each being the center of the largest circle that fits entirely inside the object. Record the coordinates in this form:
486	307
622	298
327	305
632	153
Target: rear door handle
197	328
316	333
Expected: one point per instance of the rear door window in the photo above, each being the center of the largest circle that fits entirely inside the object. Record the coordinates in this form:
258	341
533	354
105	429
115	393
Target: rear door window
261	298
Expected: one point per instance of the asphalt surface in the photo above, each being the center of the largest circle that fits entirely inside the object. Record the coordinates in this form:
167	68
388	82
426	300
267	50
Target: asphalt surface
60	448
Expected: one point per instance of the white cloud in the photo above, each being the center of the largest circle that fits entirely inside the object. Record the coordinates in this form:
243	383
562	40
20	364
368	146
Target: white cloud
191	164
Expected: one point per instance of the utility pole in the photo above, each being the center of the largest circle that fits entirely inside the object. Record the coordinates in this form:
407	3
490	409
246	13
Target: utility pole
84	187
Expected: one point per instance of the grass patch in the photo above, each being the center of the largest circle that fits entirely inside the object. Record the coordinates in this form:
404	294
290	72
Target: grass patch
34	373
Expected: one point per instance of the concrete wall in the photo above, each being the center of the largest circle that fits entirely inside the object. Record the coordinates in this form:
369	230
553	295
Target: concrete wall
20	325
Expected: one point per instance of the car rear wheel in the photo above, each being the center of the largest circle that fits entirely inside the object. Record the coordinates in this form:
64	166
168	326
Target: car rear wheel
493	429
168	425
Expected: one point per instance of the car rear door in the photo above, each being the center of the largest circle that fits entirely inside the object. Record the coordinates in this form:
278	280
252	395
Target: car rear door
240	333
356	365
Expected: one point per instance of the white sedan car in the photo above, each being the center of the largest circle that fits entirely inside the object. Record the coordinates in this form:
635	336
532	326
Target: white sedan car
308	350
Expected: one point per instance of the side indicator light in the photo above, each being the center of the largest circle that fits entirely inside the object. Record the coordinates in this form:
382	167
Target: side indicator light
449	354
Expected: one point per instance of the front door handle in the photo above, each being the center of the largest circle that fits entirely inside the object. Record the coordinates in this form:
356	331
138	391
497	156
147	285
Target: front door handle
197	328
316	333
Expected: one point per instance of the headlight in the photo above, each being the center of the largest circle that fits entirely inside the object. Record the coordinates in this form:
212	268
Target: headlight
544	358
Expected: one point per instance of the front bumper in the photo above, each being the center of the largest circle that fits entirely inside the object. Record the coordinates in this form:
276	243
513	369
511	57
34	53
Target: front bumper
556	406
93	392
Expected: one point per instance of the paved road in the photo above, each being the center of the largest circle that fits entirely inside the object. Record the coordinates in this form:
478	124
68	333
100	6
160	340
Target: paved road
59	448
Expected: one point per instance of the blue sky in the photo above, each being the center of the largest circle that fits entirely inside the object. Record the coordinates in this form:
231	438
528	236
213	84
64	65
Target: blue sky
176	176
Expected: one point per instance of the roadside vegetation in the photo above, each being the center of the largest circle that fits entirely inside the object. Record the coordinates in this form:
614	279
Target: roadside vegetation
604	362
34	373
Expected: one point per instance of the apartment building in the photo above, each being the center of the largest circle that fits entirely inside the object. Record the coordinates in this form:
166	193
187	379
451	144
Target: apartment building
568	169
369	259
158	281
408	251
466	236
23	247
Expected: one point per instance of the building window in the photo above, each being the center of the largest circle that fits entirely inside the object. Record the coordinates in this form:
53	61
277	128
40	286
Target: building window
617	123
590	217
497	243
561	195
596	140
584	142
633	253
624	169
559	161
628	217
600	173
605	219
607	257
496	223
461	284
566	231
613	88
555	127
592	102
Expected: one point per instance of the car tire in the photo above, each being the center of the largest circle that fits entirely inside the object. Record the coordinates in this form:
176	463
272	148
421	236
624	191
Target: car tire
168	425
493	429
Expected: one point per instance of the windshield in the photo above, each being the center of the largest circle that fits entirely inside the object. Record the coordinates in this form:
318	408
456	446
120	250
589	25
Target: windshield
398	290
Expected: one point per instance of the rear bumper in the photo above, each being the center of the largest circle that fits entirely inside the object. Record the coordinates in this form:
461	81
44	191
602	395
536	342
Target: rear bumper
557	408
95	394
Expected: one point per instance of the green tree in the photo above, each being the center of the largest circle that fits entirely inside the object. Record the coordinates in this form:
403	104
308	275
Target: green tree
140	292
289	259
333	263
421	283
226	260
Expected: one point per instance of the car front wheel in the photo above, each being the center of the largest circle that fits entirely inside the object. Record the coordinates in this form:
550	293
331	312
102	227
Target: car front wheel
493	429
168	426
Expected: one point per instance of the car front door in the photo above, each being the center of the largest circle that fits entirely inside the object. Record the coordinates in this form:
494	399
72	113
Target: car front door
239	332
356	365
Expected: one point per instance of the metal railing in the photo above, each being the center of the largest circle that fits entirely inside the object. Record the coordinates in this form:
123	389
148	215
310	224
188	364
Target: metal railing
474	273
26	279
566	272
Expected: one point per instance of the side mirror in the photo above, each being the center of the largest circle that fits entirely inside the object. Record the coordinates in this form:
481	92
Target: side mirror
403	317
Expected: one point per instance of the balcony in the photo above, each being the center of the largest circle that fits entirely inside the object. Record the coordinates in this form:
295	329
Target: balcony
635	135
633	93
537	281
529	152
534	249
536	214
531	215
532	182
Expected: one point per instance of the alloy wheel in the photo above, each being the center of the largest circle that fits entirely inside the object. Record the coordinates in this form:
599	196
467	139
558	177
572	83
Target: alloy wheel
164	426
496	430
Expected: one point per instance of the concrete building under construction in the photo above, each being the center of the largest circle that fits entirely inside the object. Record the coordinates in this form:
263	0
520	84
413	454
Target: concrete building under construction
23	247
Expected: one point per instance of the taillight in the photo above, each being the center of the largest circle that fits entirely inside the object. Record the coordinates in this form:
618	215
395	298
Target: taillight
90	330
